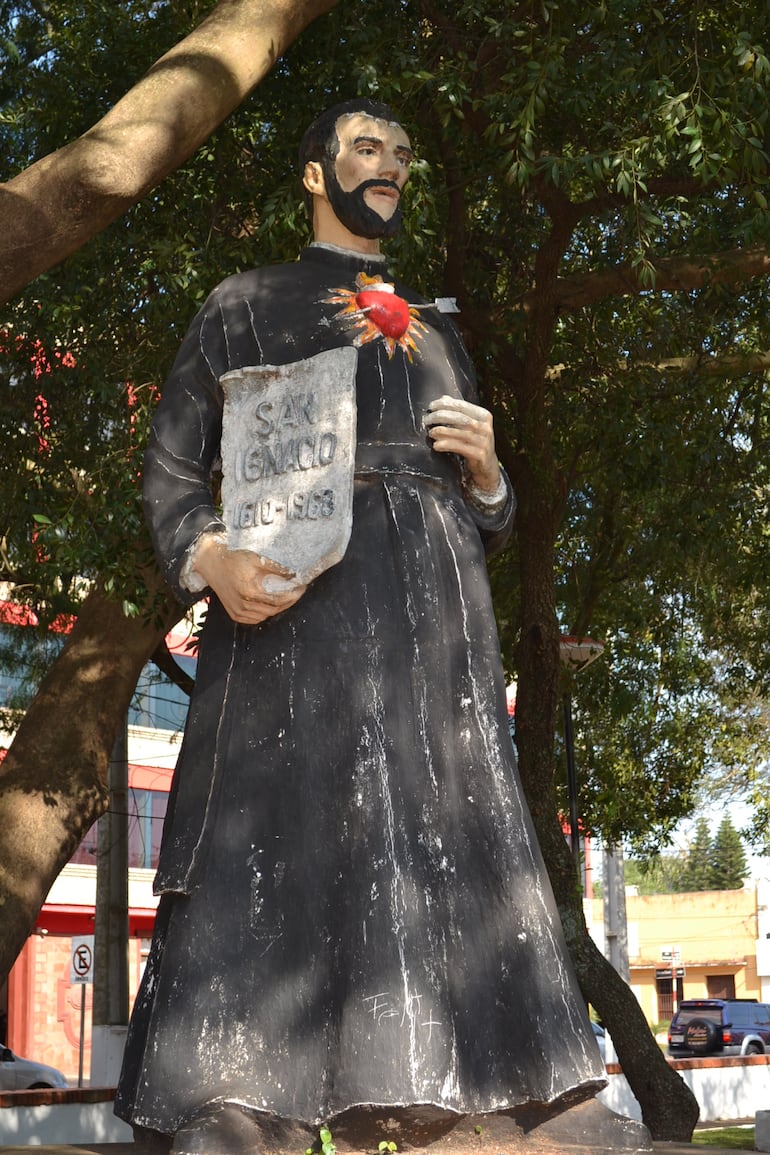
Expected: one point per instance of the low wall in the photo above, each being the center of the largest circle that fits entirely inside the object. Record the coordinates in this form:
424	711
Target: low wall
734	1088
727	1088
82	1115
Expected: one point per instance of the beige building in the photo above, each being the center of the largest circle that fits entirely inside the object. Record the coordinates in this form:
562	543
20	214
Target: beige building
706	944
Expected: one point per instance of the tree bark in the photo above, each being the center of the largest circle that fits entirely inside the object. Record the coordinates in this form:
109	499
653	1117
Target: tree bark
53	782
672	274
63	200
668	1106
725	365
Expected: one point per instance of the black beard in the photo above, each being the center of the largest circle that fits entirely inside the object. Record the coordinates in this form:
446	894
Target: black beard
352	211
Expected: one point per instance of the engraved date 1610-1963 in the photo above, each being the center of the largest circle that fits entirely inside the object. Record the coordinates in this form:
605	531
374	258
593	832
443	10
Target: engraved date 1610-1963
294	507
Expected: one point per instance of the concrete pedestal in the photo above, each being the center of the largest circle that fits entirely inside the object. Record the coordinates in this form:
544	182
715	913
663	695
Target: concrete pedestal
107	1046
762	1131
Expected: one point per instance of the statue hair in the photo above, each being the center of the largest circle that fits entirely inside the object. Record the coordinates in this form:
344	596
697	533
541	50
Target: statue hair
321	143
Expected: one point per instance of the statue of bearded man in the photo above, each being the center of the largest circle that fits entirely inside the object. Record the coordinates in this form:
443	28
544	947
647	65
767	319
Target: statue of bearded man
355	924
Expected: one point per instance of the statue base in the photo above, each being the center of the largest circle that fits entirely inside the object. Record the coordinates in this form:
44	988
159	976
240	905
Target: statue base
583	1128
586	1128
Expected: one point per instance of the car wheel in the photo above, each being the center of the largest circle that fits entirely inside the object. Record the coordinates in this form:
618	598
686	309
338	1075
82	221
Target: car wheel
702	1036
40	1087
754	1049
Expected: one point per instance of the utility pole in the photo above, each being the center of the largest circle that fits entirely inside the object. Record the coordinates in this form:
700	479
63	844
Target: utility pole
615	921
110	994
575	654
615	924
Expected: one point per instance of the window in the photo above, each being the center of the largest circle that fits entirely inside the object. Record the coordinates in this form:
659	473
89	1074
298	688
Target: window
720	986
711	1014
761	1015
158	703
85	855
665	989
146	811
669	999
25	654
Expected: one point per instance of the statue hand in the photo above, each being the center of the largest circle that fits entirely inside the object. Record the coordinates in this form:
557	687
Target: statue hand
251	588
457	426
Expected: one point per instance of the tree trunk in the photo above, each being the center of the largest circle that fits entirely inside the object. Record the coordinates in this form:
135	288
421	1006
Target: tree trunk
63	200
53	782
668	1106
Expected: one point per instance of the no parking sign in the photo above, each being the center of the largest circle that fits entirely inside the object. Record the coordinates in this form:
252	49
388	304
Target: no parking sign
82	972
82	959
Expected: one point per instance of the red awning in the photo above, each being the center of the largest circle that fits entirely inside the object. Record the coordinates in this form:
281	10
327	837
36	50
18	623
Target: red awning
150	777
79	920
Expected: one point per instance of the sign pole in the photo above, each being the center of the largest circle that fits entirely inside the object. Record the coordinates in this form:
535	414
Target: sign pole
82	972
82	1032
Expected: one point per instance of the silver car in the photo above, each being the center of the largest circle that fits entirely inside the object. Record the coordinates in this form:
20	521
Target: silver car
23	1075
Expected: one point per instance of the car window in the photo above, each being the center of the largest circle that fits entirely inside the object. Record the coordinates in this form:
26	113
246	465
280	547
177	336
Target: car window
740	1015
687	1014
762	1015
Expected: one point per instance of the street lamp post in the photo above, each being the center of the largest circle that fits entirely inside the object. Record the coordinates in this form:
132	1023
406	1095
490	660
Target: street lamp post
576	653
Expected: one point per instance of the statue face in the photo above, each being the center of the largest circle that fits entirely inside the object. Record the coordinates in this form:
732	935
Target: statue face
371	168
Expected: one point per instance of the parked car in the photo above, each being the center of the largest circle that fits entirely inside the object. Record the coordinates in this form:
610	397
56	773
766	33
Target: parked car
720	1026
18	1074
599	1036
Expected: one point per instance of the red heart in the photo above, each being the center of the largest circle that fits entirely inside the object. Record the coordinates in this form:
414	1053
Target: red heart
385	310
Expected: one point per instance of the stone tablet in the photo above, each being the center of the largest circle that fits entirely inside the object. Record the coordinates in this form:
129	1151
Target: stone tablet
288	455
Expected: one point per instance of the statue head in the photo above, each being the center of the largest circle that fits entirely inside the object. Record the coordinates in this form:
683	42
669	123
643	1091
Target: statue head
363	155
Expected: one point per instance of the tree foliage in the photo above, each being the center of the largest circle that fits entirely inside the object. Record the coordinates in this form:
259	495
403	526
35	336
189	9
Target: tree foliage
697	867
657	875
591	187
64	198
717	863
728	858
554	196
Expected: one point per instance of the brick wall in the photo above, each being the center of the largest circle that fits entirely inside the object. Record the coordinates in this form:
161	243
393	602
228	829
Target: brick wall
44	1007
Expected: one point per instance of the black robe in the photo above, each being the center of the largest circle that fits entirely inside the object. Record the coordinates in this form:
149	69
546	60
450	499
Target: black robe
355	909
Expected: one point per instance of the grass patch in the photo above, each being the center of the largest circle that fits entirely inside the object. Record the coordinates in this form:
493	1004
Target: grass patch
732	1138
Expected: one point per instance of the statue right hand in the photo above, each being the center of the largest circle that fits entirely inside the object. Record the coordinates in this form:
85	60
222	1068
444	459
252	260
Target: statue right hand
251	588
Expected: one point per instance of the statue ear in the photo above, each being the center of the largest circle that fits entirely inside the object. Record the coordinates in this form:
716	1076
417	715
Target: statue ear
313	178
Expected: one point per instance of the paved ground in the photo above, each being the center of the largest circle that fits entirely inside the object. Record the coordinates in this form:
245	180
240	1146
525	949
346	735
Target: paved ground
499	1140
659	1148
134	1149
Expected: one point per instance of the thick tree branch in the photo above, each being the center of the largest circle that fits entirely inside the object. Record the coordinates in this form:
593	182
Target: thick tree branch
728	365
53	782
724	365
672	274
658	188
544	301
164	660
57	204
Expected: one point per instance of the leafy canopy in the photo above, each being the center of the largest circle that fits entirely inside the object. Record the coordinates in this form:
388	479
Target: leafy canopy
591	186
717	863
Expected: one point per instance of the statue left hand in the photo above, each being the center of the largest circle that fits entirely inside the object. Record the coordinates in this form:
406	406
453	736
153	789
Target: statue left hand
457	426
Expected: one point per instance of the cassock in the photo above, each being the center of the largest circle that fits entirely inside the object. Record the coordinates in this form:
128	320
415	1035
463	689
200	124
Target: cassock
354	907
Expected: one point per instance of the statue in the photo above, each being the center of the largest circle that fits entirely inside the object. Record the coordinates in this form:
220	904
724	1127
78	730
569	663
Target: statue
355	921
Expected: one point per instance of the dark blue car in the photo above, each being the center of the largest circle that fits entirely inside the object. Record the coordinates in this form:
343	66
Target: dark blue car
720	1026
